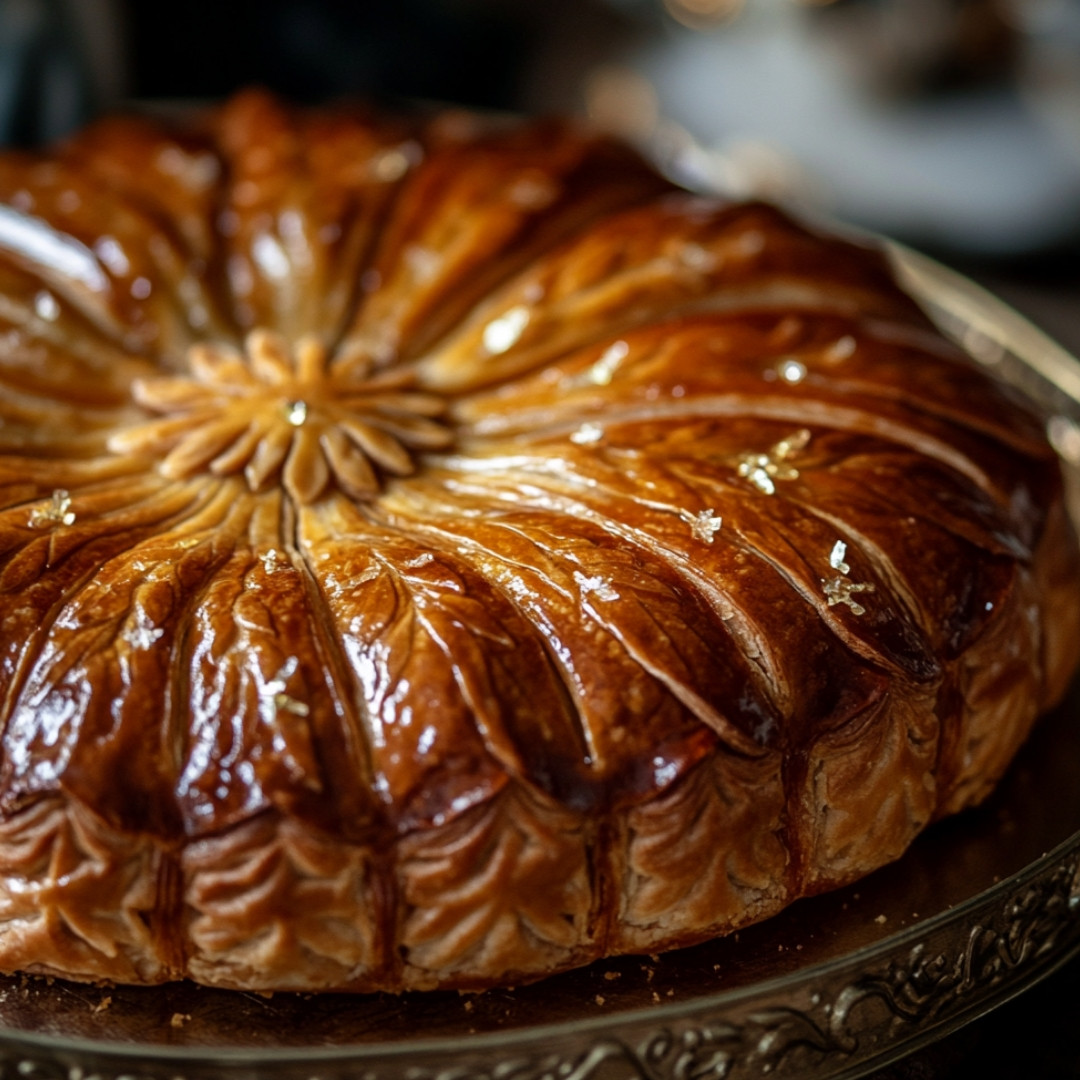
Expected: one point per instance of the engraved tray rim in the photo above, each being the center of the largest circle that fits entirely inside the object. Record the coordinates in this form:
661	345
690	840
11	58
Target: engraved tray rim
420	1047
577	1049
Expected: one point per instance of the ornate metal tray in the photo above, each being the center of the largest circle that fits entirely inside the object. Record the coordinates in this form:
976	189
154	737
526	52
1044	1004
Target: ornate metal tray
983	906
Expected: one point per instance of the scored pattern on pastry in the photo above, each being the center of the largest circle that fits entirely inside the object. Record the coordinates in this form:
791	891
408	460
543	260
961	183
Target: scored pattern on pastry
272	413
436	552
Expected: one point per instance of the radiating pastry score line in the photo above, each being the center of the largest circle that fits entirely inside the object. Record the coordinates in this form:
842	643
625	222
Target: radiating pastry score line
66	266
840	591
25	320
58	509
752	642
348	695
391	166
590	586
818	598
452	548
204	502
440	371
458	544
64	419
828	415
555	198
236	519
177	259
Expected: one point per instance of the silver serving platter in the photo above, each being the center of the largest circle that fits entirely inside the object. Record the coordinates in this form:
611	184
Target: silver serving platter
983	906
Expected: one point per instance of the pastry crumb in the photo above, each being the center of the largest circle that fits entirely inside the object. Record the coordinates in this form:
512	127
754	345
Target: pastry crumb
612	975
468	1005
600	999
102	1005
881	920
656	998
179	1019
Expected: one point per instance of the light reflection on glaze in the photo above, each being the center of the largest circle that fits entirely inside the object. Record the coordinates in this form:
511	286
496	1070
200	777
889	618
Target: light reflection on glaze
61	255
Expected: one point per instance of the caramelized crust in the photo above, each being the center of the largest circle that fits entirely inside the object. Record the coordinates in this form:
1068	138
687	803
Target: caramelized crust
436	553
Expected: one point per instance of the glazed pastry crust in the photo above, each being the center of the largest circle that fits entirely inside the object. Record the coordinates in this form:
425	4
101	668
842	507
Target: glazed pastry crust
437	553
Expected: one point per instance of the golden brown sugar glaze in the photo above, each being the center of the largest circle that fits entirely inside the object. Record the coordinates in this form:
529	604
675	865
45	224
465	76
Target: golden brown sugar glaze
436	552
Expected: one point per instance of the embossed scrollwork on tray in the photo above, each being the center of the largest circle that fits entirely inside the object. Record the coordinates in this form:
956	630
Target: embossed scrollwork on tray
928	984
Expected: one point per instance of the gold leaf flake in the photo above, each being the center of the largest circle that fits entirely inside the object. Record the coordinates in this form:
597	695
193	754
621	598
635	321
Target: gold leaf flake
296	412
836	557
56	512
271	561
595	586
763	470
704	525
839	590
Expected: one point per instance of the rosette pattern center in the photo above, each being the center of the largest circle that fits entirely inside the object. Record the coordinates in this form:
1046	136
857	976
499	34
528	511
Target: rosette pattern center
285	415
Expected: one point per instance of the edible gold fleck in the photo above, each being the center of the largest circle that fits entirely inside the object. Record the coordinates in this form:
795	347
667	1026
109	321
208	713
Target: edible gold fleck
762	470
56	512
596	586
839	590
296	412
836	557
705	525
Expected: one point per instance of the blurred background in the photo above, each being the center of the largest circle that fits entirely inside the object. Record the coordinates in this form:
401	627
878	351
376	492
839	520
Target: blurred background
953	125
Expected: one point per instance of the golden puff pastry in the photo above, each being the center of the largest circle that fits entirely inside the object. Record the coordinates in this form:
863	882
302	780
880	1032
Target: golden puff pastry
438	553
